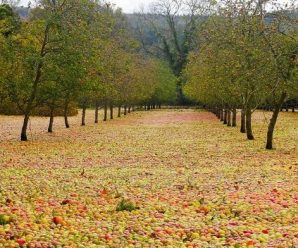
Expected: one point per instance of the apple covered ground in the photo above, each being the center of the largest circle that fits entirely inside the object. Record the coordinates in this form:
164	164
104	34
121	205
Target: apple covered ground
151	179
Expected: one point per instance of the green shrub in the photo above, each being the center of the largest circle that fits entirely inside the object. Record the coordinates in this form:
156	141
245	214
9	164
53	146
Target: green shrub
126	205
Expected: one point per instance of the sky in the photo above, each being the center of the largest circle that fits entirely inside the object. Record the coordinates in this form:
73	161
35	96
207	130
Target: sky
128	6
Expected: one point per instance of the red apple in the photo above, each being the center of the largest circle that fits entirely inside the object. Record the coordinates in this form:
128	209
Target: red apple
108	237
66	201
250	242
58	220
21	241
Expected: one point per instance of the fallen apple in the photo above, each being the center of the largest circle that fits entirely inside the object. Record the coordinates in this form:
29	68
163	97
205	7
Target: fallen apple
58	220
21	241
4	219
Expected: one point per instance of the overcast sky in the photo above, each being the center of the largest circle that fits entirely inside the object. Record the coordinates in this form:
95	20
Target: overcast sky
128	6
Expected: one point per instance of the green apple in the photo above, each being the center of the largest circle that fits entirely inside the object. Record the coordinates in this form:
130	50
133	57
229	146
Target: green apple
4	219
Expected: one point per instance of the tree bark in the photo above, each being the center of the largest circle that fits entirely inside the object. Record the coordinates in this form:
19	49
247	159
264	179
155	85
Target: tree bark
84	115
129	109
66	115
24	128
221	115
225	116
50	128
249	132
273	120
119	111
234	121
111	112
125	110
105	118
243	121
229	118
96	112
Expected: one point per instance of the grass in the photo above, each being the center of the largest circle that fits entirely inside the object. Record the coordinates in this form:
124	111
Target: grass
126	205
196	183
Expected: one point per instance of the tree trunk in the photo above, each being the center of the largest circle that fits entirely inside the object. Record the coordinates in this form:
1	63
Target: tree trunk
125	110
96	112
84	115
129	109
249	132
234	121
111	112
119	111
105	118
66	115
225	116
50	128
229	118
243	121
159	106
221	115
273	120
24	128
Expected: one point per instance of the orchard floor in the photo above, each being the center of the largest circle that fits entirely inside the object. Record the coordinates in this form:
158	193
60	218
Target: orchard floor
196	183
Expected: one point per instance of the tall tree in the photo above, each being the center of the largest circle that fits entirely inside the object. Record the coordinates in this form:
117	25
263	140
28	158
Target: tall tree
174	23
281	39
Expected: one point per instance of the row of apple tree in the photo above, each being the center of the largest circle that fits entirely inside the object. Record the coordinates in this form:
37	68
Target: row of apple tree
75	53
246	58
